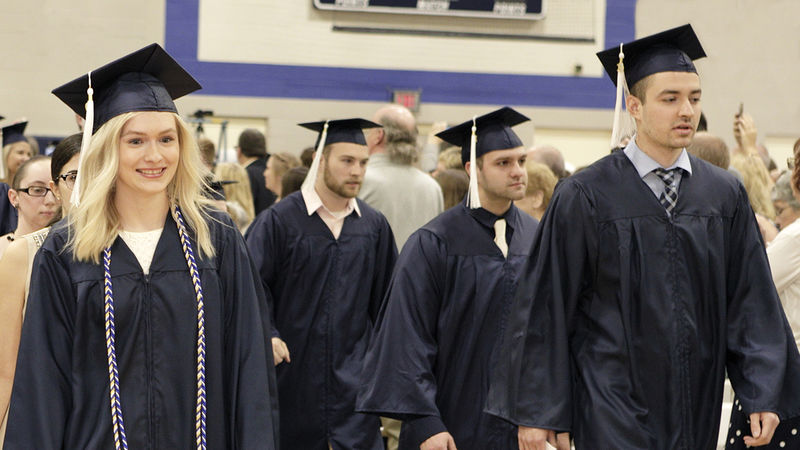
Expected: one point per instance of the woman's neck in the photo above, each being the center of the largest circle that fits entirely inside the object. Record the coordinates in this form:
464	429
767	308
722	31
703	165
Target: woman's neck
23	228
142	214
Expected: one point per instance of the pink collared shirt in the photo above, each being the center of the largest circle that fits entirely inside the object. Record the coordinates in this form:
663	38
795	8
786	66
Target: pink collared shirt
333	219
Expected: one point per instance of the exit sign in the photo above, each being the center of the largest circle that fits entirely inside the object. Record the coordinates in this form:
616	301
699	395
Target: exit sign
407	98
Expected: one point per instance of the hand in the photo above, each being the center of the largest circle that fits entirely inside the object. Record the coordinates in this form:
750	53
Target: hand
762	425
537	438
440	441
280	352
745	132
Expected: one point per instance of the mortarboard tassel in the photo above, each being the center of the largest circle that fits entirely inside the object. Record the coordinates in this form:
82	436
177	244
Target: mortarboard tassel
88	126
473	198
624	127
311	177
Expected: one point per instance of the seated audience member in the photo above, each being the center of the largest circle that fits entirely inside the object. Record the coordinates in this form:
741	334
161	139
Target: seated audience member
238	197
711	149
541	183
32	198
454	184
550	157
15	270
787	208
293	180
277	166
449	159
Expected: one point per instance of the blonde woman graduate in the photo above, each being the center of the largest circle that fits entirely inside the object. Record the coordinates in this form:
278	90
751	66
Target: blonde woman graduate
144	325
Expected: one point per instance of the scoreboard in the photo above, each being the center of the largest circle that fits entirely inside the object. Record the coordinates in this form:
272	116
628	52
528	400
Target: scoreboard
497	9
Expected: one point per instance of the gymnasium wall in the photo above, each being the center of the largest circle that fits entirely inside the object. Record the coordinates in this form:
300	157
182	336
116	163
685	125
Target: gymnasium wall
277	63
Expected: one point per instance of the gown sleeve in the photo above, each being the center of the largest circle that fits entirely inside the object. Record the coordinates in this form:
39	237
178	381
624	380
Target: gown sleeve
531	380
250	392
762	358
385	259
398	379
41	398
264	241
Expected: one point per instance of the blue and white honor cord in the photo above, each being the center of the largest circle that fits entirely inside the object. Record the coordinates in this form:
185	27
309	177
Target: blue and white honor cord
118	427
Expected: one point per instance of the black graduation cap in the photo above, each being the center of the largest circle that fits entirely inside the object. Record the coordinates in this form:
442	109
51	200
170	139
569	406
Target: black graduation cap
14	133
668	51
148	79
344	130
493	131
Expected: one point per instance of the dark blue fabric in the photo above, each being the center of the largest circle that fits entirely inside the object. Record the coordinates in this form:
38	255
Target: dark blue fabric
445	311
325	294
626	319
60	397
8	214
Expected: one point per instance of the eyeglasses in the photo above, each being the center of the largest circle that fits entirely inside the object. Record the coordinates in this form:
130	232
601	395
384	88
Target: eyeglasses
35	191
69	178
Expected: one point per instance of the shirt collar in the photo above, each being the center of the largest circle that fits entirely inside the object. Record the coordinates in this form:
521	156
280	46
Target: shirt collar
487	218
314	202
644	164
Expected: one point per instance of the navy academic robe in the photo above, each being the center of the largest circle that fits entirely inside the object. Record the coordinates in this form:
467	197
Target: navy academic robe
626	319
326	295
60	397
430	362
8	214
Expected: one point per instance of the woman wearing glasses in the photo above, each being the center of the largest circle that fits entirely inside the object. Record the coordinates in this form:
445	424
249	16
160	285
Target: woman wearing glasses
31	196
15	267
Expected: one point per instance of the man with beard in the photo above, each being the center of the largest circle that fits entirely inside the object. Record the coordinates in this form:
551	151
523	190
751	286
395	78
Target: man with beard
650	281
430	361
326	259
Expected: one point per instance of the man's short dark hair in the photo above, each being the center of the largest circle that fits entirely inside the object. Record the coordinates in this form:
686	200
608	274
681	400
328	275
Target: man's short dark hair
252	143
639	89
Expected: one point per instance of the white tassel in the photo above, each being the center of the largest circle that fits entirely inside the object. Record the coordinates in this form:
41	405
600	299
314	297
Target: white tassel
624	126
311	177
473	197
86	141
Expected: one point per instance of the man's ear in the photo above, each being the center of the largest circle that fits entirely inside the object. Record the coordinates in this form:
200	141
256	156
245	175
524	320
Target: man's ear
634	106
467	165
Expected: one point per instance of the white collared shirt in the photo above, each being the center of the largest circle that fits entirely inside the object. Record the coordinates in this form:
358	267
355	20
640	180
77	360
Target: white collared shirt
333	219
645	165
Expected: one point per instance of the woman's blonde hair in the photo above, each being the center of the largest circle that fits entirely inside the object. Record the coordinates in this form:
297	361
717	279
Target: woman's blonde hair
5	176
757	183
540	178
238	192
94	224
284	162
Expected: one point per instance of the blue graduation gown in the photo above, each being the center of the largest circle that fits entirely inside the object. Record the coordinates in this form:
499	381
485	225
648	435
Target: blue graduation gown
8	215
626	319
326	294
60	397
430	362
